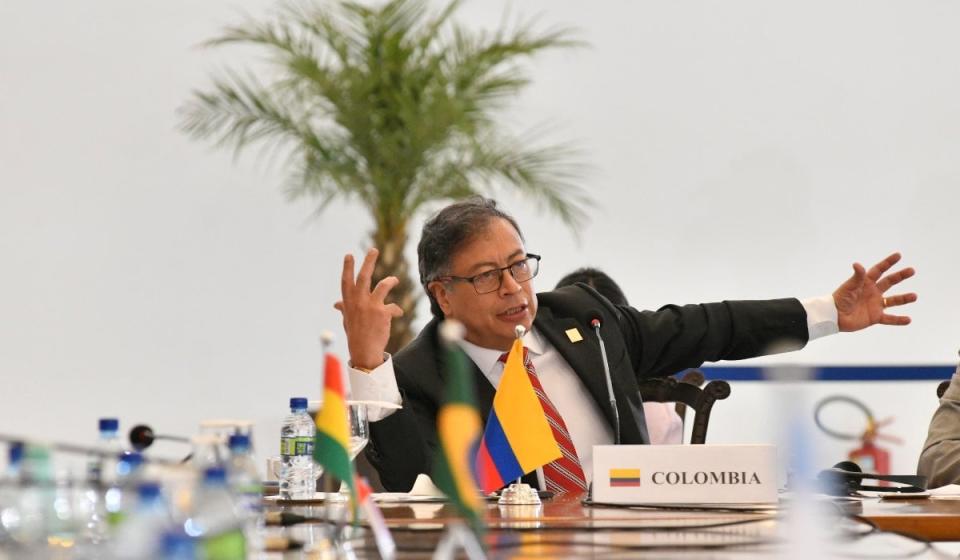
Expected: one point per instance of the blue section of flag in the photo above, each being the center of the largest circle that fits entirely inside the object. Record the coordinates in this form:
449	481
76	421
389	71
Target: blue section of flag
839	373
498	447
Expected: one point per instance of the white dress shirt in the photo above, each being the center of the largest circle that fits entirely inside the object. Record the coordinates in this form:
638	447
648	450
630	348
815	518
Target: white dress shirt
664	425
584	419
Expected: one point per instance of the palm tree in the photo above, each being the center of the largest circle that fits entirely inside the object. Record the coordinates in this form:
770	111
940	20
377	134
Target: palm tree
393	107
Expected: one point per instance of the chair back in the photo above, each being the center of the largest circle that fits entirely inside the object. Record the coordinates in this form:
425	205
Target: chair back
942	388
693	377
669	389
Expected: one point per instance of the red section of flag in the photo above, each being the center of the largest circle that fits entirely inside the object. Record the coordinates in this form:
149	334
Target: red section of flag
487	470
363	489
333	379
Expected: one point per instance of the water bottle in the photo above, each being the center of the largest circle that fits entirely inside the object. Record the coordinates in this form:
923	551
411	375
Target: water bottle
101	471
120	498
14	458
139	536
100	467
10	493
37	515
247	487
296	453
215	522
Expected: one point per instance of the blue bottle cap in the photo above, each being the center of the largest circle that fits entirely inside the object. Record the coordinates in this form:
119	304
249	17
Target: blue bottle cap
15	452
148	491
109	424
239	442
298	403
215	476
128	462
177	545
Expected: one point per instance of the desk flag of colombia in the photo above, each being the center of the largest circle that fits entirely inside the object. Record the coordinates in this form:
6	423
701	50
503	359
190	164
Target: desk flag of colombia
517	438
458	429
332	443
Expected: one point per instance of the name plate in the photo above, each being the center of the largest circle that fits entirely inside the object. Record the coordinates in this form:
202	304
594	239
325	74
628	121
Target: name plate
684	474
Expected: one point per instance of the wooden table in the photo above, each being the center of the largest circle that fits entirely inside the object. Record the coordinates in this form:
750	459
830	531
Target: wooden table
932	520
564	526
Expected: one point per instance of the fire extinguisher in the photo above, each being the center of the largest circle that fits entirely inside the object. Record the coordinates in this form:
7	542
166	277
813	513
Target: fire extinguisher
869	456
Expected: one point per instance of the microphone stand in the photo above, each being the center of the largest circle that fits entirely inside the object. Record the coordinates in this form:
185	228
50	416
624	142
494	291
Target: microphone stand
75	449
606	371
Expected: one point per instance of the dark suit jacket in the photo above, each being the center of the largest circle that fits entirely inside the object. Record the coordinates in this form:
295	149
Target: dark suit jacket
639	344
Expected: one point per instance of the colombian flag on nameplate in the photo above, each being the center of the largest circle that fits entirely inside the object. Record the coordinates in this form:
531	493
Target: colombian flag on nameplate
517	438
458	429
332	443
624	477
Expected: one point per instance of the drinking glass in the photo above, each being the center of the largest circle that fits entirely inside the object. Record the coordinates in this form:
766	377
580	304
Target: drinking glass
359	427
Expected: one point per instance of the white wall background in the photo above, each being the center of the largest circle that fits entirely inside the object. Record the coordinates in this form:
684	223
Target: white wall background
740	149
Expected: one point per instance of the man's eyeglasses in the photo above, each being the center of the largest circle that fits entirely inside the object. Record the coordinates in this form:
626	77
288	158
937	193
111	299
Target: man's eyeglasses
491	280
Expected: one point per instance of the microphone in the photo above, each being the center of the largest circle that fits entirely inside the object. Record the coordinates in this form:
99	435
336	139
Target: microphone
846	478
143	436
593	319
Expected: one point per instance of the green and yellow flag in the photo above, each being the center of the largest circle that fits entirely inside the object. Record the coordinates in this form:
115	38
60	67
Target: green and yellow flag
458	429
331	448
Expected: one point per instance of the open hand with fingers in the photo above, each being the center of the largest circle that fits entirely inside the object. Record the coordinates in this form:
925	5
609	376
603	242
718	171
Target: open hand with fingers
366	316
861	300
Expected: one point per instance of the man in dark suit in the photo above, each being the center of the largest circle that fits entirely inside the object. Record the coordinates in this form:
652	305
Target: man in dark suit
475	269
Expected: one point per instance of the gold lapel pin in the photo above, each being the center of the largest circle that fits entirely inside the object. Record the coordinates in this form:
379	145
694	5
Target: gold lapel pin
574	335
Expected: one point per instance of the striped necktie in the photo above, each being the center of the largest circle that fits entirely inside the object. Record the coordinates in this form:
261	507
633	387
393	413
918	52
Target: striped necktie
564	474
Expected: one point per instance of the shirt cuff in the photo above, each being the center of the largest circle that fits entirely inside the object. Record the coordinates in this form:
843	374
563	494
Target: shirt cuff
378	385
821	316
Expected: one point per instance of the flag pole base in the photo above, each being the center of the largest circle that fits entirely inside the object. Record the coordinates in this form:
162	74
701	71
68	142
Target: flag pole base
519	494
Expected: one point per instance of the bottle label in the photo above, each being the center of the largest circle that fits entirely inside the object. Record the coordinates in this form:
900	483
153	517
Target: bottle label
296	445
115	518
226	546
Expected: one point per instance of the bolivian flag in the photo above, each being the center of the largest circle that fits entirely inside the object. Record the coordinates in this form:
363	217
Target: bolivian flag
332	443
458	431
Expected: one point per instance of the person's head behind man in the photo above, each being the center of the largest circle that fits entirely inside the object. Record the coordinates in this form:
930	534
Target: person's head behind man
598	280
475	269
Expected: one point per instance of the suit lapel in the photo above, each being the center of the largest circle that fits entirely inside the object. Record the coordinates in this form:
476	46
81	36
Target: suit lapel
485	390
583	356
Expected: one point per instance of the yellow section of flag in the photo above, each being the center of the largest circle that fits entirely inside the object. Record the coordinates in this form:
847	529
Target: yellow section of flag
332	417
459	427
624	473
521	416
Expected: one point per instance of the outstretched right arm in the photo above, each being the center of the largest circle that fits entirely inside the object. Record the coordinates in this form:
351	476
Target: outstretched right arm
366	316
397	448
